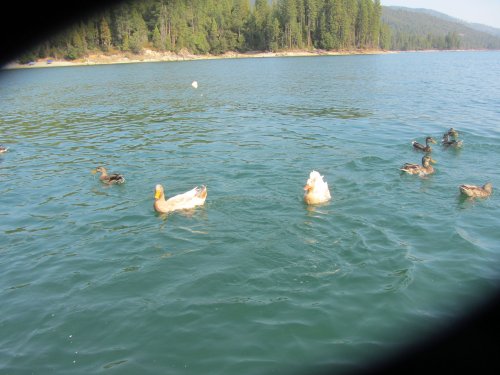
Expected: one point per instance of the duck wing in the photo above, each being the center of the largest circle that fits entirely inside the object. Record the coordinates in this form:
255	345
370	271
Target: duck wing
191	198
116	178
418	145
472	190
411	168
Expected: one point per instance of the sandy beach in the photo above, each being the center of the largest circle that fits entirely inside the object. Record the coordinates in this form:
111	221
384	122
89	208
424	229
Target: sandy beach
154	56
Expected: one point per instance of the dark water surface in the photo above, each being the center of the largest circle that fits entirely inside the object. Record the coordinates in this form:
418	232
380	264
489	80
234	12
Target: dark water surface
94	281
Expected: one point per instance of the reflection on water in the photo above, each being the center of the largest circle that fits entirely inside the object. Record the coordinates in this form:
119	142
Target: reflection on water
332	112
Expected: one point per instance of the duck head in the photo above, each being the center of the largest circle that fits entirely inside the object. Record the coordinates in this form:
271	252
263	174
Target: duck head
426	160
159	192
430	140
452	132
99	169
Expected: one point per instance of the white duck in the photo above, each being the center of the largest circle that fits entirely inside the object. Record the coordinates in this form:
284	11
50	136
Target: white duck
189	199
316	190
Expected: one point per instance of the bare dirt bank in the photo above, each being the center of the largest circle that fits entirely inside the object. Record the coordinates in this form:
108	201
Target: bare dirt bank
155	56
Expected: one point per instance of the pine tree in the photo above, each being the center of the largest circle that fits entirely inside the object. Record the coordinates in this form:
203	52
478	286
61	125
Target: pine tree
311	14
362	24
138	32
261	14
104	35
385	37
240	13
273	34
157	39
375	23
288	15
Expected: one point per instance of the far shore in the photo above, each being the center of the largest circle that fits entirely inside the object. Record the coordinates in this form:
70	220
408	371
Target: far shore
155	56
148	55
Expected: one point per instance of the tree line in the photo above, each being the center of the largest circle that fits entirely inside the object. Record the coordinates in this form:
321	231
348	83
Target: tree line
418	30
218	26
404	41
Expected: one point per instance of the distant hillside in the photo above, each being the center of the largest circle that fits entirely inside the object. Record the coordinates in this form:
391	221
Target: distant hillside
416	29
486	29
475	26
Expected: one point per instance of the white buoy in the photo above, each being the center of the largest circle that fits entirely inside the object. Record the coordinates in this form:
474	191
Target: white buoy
194	84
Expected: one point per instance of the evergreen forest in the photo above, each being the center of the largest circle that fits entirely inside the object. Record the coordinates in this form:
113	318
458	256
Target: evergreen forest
420	29
219	26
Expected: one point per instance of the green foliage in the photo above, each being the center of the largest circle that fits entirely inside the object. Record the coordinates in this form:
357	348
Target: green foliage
104	35
157	39
27	57
385	36
417	29
137	32
218	26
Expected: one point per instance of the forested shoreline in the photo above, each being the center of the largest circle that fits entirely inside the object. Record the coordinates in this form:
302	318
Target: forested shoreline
216	27
219	26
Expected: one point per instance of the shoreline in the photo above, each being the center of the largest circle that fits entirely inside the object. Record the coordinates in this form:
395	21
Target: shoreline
149	55
154	56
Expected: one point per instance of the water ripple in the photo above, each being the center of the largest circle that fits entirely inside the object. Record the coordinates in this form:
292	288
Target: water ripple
255	281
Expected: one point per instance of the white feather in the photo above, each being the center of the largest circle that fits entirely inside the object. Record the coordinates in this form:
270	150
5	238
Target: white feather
317	190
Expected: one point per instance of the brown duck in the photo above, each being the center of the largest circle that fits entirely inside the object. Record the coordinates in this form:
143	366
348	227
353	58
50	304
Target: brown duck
113	178
474	191
421	147
447	142
422	170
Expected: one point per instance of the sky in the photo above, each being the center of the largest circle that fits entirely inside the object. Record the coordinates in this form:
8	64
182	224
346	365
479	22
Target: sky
486	12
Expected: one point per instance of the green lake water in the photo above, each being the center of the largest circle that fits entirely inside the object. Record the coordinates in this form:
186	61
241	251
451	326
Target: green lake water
254	282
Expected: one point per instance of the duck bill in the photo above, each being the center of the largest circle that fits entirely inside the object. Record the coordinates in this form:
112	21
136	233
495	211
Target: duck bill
433	161
94	171
307	187
157	194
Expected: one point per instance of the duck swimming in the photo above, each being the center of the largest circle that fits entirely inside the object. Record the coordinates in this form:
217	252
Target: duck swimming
109	179
316	190
447	142
474	191
422	170
452	132
190	199
3	149
425	148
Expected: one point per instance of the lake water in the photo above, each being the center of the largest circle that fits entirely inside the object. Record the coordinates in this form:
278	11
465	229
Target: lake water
254	282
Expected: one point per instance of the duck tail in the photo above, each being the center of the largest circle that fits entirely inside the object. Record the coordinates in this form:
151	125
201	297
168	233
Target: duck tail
119	179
